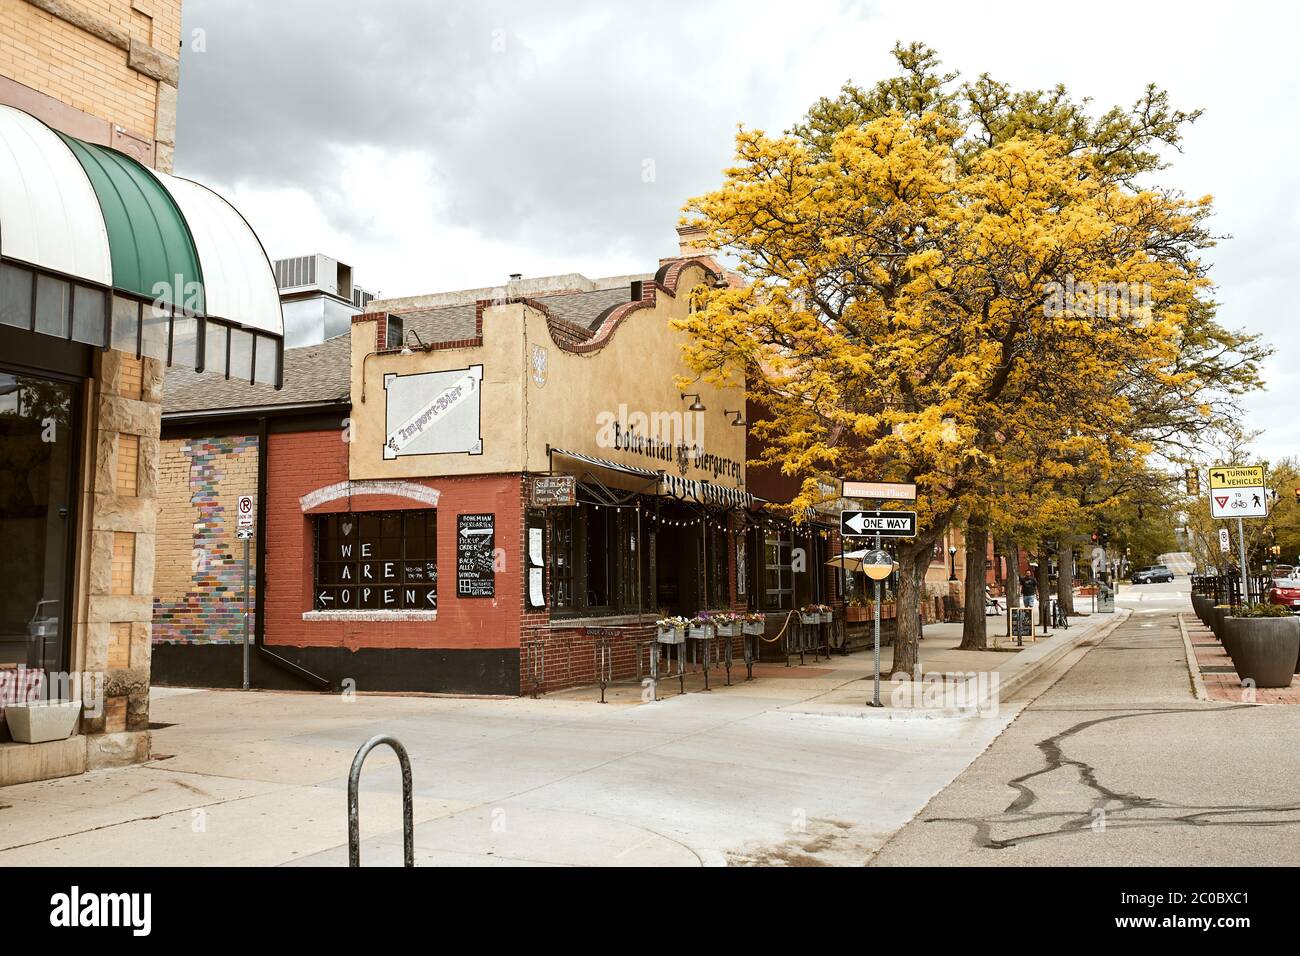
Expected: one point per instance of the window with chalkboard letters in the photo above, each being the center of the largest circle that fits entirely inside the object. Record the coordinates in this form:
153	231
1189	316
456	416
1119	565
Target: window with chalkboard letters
376	561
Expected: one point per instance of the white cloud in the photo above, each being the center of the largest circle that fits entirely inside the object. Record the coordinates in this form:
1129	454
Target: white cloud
407	142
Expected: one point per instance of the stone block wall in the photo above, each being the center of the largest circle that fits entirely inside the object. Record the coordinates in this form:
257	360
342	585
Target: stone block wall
115	592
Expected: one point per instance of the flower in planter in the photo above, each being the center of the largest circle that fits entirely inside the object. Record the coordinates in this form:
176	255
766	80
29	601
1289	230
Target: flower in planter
672	623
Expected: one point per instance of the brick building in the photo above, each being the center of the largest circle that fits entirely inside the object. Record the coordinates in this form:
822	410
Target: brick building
399	544
93	235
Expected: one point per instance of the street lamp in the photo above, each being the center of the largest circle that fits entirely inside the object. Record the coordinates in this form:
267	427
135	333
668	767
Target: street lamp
952	562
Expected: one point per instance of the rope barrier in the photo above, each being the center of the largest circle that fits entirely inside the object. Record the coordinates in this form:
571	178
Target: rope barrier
782	632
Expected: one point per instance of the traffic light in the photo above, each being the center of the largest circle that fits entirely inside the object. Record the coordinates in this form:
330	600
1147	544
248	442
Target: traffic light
1297	496
1194	483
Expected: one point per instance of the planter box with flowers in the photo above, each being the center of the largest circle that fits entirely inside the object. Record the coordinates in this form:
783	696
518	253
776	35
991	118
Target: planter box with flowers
815	614
857	613
701	628
671	630
728	623
754	623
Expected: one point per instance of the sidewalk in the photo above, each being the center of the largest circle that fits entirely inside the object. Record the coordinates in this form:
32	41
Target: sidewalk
956	683
1215	678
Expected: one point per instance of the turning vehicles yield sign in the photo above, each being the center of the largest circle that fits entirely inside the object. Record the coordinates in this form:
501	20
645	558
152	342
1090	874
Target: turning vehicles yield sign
1238	491
887	524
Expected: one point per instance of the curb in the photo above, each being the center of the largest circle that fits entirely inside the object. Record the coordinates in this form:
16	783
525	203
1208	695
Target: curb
1193	665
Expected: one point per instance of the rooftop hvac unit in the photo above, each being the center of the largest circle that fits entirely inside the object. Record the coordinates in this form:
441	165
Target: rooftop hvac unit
361	297
314	274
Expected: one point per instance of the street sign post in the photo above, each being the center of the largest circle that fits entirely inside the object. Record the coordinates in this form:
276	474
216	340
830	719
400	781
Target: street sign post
1238	491
1225	540
885	524
247	522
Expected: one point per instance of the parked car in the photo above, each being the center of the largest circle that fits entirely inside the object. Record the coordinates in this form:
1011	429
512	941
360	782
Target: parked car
1152	574
1285	591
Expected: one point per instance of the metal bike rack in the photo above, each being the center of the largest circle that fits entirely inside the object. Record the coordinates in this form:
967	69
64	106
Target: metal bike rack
354	805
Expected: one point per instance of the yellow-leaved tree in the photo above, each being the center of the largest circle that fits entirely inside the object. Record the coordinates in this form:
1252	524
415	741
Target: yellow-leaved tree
932	302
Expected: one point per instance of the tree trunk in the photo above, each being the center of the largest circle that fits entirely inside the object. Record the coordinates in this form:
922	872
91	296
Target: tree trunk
1065	579
974	630
1044	581
913	559
1011	551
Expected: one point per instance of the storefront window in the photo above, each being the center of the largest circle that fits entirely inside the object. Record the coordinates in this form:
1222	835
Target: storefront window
593	559
38	438
601	547
377	560
778	593
562	556
719	589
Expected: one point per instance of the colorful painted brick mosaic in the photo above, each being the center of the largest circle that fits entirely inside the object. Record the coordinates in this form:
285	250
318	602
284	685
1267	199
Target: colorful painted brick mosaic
199	592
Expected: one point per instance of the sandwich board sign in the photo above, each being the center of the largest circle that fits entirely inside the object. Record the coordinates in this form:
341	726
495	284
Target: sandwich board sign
1238	491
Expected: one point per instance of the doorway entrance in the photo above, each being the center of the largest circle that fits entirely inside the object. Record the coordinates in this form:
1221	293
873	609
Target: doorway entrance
38	441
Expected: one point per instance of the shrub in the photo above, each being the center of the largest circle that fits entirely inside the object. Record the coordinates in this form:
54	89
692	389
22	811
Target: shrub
1264	610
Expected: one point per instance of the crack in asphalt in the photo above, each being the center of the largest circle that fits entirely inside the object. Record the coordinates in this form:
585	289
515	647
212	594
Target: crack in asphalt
1132	809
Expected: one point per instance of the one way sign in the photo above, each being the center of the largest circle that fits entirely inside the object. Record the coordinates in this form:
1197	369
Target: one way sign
887	524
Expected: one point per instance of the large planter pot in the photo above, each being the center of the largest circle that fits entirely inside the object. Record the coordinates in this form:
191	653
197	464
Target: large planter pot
42	720
810	618
1264	649
856	615
1199	604
1217	615
728	630
755	627
701	633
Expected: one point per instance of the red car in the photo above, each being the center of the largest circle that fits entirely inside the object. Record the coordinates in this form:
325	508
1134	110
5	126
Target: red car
1286	591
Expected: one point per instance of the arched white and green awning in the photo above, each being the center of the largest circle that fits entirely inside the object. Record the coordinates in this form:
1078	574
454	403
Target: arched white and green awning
98	248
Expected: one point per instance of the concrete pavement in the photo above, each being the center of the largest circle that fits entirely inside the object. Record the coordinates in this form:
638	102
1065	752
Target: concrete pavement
1118	763
782	771
703	779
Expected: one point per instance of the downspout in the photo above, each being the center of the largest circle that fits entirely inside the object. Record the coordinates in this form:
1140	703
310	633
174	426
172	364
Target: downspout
259	617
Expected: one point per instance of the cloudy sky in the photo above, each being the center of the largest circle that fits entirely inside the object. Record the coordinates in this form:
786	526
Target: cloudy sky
444	145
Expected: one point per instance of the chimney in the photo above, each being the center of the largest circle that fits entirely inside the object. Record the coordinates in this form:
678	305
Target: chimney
692	242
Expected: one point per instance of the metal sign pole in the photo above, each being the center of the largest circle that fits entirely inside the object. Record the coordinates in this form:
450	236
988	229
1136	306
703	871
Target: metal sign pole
1245	575
246	577
875	693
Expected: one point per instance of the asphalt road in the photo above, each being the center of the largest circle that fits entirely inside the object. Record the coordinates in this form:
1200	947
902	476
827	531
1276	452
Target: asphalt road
1117	763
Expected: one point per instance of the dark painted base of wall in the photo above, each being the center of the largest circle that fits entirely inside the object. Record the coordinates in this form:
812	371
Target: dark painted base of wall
403	669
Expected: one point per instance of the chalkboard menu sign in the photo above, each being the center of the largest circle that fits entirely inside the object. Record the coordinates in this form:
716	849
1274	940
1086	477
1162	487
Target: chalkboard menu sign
475	575
549	491
1022	623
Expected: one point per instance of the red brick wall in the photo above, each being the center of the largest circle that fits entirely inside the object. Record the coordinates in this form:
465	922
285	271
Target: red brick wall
302	462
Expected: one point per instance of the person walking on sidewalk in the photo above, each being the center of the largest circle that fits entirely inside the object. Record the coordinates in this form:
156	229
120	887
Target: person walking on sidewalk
1028	588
